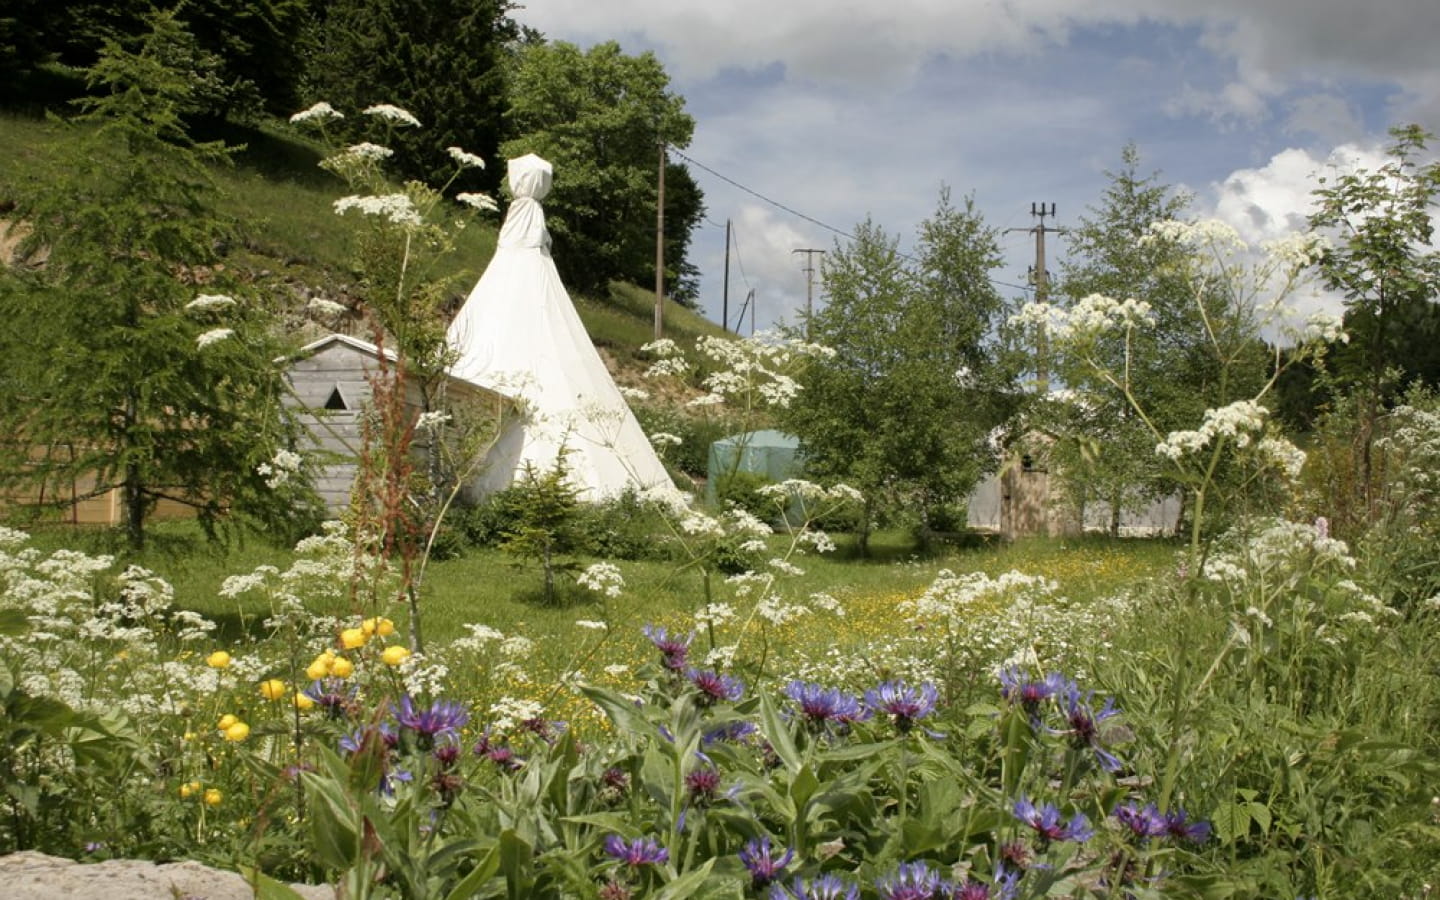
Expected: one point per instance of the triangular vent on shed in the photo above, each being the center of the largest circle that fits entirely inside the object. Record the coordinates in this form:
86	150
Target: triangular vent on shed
336	400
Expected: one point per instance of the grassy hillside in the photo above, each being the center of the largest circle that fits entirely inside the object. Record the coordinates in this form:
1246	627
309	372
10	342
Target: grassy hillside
293	246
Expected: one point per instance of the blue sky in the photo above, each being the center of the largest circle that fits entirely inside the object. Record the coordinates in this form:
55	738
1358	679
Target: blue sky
843	110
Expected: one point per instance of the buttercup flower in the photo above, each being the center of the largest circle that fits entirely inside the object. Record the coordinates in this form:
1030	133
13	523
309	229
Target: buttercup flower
218	660
273	689
353	638
394	655
342	668
237	732
213	797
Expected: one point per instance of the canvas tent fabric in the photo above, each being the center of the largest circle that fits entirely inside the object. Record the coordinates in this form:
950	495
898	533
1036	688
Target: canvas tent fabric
518	334
773	454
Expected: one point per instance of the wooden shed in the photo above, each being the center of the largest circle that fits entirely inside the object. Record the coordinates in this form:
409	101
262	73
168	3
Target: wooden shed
331	380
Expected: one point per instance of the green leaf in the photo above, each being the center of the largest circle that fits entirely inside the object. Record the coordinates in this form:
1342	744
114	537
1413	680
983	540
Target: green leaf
484	870
267	888
686	885
1231	820
334	822
514	854
623	713
777	732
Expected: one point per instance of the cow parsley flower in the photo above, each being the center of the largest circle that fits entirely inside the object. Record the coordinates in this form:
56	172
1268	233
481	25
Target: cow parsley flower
479	201
392	113
466	160
210	302
323	307
603	578
213	336
368	152
317	113
397	208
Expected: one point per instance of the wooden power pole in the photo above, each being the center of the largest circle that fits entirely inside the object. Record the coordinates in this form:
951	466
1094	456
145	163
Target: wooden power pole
1041	279
809	283
660	249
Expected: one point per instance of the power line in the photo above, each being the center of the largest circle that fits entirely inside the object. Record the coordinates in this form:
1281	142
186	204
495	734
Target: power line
848	235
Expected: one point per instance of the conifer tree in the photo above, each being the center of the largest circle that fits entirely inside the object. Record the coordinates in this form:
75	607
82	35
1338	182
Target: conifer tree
130	362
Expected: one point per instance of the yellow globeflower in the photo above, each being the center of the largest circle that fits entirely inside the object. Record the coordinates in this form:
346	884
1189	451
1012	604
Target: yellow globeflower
394	655
237	732
226	721
368	626
218	660
320	666
342	668
274	689
384	627
213	797
189	789
303	702
352	638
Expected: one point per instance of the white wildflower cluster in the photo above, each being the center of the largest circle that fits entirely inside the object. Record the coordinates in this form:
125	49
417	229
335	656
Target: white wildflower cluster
1086	319
367	152
398	208
424	676
465	160
785	567
508	713
213	336
714	614
669	361
662	439
210	303
392	113
480	201
322	307
320	112
280	468
1205	233
591	625
1326	327
433	420
1283	455
1297	251
633	394
1237	421
602	578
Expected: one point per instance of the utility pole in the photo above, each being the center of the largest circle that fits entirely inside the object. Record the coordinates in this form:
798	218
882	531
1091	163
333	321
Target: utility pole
725	292
809	282
1041	279
660	249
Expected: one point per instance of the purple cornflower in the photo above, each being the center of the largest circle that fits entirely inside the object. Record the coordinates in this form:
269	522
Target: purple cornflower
673	650
1017	687
702	784
764	868
1003	887
546	730
912	881
384	732
1178	827
636	853
1141	822
714	687
447	755
902	703
820	706
498	753
1084	722
731	732
1046	822
333	695
443	719
825	887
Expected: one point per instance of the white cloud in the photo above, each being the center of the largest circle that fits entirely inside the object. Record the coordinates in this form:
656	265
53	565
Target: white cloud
763	260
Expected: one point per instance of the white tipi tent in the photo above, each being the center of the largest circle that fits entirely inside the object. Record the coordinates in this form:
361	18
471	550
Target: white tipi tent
518	334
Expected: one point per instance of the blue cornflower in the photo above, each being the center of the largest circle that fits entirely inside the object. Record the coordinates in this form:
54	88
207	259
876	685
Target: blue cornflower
1142	823
334	695
636	853
825	887
821	706
355	741
912	881
763	866
1178	827
1046	822
731	732
443	719
714	687
902	703
1084	722
673	649
1016	686
1003	887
